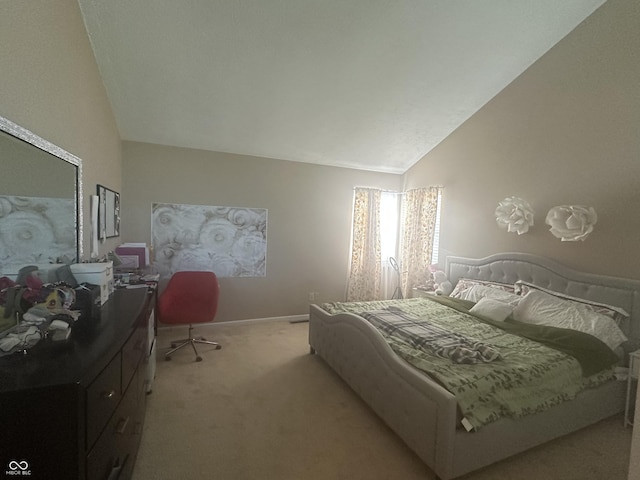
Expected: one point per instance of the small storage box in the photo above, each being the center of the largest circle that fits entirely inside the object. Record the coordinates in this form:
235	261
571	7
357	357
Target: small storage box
100	274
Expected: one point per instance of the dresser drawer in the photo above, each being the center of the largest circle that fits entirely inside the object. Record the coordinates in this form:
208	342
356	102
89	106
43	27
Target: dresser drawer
132	354
113	454
103	396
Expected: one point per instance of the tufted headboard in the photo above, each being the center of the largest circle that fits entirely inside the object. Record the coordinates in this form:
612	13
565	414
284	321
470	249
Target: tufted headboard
544	272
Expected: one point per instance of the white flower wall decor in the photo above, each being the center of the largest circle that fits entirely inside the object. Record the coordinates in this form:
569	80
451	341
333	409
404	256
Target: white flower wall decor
571	223
515	214
231	242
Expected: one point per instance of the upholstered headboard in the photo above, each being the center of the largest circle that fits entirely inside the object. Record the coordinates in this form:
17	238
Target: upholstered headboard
544	272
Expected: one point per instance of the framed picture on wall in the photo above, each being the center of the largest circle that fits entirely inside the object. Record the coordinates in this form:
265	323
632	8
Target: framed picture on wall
108	213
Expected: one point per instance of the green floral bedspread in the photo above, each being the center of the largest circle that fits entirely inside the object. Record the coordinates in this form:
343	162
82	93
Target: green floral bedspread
530	377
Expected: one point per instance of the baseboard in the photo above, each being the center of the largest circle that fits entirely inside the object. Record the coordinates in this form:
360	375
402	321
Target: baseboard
287	318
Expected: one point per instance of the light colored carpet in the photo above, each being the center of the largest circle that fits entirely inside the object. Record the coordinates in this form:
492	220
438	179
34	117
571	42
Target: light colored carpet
264	408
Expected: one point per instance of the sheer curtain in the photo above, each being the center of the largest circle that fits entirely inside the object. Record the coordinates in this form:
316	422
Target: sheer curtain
419	213
365	273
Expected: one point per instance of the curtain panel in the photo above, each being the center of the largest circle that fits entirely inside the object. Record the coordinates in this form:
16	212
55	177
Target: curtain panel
365	274
419	211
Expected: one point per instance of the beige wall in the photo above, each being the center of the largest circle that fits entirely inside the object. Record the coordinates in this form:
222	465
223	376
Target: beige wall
50	85
309	218
565	132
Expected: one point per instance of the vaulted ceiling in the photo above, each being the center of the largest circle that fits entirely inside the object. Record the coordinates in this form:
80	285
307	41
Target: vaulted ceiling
369	84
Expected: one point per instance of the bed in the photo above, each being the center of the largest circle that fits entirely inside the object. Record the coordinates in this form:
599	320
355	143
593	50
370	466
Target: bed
426	415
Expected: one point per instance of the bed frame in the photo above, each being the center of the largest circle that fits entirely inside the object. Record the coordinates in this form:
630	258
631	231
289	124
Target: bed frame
425	415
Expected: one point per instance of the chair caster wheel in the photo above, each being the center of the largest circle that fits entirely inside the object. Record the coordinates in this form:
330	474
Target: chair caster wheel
167	359
198	359
218	347
173	345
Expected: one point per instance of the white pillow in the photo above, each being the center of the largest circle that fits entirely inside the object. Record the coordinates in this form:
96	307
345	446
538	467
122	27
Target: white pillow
493	309
618	314
466	283
541	308
477	292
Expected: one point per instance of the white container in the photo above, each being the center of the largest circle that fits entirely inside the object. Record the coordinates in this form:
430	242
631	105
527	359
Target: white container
98	274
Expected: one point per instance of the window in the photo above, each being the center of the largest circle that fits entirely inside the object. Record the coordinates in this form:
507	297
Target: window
389	225
381	221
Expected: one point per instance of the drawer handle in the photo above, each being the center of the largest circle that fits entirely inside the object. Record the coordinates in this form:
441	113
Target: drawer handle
138	428
116	468
122	425
109	394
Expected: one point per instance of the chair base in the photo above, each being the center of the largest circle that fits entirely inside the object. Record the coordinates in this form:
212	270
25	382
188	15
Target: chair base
178	344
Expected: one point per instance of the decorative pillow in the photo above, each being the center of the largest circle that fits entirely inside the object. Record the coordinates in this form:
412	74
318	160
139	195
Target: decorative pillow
616	313
541	308
491	308
478	291
466	283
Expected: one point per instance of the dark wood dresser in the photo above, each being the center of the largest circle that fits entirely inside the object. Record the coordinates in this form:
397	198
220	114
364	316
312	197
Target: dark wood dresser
76	411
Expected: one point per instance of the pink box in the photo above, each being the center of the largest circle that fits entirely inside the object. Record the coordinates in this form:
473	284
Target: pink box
140	252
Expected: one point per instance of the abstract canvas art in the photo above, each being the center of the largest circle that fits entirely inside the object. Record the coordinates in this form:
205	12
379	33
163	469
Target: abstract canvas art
229	241
36	230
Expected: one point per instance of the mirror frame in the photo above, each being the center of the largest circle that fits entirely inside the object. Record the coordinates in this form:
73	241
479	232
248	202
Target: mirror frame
27	136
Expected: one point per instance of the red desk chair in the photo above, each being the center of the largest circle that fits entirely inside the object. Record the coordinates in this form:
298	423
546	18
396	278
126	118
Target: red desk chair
189	297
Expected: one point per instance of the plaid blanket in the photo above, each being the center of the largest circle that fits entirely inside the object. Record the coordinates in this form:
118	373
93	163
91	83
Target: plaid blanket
425	336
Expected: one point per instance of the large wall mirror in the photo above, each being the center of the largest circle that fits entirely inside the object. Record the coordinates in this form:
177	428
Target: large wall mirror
40	200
